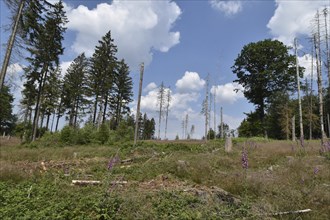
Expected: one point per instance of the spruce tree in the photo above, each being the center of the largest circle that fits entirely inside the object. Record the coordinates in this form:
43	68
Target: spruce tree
122	92
75	89
104	63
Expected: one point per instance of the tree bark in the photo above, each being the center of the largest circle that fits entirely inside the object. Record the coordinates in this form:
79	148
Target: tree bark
299	99
10	44
319	85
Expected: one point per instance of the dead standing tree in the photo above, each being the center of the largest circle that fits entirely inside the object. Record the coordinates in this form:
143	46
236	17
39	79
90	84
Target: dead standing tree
161	103
205	106
317	46
168	102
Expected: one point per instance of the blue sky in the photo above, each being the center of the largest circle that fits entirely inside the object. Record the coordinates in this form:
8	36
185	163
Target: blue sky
181	42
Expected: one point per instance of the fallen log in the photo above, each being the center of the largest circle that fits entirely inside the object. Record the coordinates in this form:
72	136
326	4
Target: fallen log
86	182
127	161
292	212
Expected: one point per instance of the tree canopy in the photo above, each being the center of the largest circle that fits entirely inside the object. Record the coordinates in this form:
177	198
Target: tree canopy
264	68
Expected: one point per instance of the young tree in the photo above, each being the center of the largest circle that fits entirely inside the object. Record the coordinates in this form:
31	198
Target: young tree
264	68
148	130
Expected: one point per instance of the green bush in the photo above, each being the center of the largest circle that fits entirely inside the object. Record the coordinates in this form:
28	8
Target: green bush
67	134
103	134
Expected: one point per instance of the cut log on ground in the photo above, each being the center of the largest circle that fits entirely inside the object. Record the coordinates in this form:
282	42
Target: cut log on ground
86	182
127	161
292	212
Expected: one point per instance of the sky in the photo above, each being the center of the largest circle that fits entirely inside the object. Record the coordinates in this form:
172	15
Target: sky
181	42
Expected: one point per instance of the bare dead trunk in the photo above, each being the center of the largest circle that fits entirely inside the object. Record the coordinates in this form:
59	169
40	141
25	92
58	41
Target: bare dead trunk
10	44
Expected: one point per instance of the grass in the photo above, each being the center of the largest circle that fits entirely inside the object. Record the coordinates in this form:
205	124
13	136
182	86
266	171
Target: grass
165	180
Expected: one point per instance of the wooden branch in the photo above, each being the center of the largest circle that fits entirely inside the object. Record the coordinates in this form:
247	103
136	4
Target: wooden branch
127	161
85	182
292	212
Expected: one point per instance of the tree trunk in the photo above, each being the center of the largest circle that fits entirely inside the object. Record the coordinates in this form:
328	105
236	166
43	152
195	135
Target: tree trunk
319	85
10	44
51	128
58	115
287	122
293	128
299	99
47	121
311	97
221	123
38	103
138	105
105	109
95	109
76	113
325	13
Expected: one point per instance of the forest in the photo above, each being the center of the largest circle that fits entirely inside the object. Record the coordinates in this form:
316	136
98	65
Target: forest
98	90
276	168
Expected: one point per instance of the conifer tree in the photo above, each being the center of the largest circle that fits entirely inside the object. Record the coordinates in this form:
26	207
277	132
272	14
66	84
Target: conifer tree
122	92
102	74
75	88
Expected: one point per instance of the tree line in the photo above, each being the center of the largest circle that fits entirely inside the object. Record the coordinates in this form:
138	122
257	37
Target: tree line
271	75
98	88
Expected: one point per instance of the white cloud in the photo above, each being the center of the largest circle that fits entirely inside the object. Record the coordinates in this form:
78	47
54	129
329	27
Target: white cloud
179	101
137	27
13	75
150	86
226	93
292	19
306	62
229	8
64	66
190	82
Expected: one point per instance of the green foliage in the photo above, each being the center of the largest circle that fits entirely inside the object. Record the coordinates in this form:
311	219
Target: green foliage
264	68
103	133
251	126
165	180
7	118
210	134
75	89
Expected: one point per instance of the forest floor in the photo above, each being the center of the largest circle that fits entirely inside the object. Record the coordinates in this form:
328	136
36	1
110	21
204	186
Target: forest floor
165	180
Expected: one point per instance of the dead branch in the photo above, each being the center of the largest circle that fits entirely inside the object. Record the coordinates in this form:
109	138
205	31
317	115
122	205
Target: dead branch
85	182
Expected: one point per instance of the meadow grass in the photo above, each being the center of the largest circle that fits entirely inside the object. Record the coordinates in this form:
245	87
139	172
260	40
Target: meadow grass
165	180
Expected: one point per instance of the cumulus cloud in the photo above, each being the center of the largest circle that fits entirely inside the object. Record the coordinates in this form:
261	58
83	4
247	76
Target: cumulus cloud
229	8
227	92
138	28
179	101
292	19
13	75
306	62
64	66
190	82
151	86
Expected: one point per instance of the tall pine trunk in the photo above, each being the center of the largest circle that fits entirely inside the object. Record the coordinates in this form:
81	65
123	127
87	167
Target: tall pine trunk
95	109
105	109
10	44
38	103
